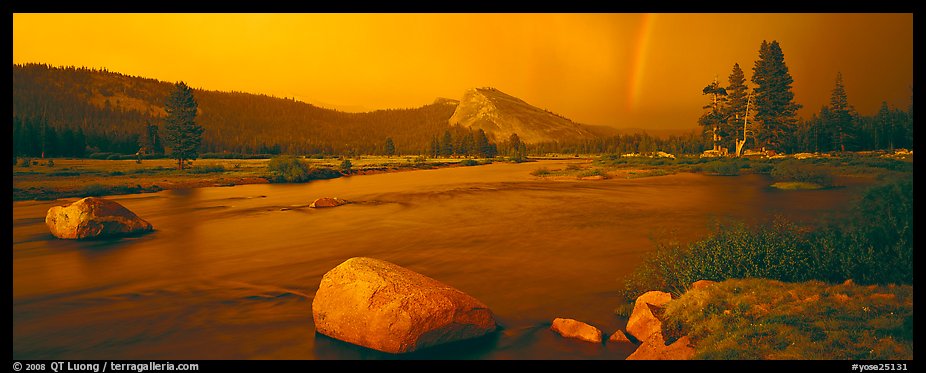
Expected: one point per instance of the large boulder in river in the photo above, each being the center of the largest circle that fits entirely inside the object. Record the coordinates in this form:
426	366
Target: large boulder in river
643	322
327	202
93	217
385	307
570	328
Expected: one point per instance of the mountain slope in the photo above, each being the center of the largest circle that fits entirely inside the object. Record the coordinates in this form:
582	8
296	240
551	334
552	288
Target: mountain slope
500	115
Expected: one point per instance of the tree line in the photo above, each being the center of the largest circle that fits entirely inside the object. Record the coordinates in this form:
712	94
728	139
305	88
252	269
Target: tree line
115	111
765	117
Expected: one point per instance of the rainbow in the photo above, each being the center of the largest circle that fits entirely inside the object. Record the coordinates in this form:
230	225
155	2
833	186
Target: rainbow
639	62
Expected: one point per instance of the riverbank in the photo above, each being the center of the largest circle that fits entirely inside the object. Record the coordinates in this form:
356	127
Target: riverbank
66	178
760	319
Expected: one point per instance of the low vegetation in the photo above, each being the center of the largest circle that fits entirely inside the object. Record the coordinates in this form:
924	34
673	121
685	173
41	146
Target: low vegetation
290	169
795	171
788	291
755	319
70	177
874	245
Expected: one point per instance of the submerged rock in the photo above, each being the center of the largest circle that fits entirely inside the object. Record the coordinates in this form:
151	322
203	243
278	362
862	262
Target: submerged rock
643	323
327	202
385	307
93	217
570	328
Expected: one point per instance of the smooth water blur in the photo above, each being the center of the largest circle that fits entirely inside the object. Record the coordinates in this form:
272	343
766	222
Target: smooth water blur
229	273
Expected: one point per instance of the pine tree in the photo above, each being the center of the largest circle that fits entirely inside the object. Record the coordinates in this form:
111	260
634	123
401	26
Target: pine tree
150	140
841	116
716	117
389	147
884	128
446	144
183	134
468	144
737	96
776	111
435	149
482	143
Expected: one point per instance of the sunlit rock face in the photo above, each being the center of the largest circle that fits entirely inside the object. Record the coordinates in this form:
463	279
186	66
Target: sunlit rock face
643	323
93	217
570	328
619	337
646	327
385	307
500	115
656	349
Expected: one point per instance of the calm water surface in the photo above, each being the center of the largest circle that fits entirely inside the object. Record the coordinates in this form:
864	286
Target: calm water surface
230	273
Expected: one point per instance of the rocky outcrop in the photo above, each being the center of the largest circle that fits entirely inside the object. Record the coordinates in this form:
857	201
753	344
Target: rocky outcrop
643	321
93	217
385	307
570	328
327	202
646	326
619	337
655	349
500	115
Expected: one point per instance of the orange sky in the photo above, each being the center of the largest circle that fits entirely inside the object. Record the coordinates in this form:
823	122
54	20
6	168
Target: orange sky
624	70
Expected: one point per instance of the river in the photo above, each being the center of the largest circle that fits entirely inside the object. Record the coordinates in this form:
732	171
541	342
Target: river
230	272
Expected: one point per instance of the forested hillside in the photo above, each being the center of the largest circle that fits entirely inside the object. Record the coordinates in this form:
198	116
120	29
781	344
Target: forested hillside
57	109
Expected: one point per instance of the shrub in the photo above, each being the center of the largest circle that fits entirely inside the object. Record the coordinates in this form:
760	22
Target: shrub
593	172
795	170
94	190
25	162
50	163
322	173
877	235
346	166
723	167
468	162
288	169
542	171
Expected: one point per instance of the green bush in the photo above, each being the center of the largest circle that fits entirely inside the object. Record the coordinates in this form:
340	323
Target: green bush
795	170
723	167
323	173
542	171
50	163
346	166
874	245
94	190
468	162
290	169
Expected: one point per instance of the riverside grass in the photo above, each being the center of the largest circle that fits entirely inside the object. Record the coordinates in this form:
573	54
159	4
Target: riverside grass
789	292
760	319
